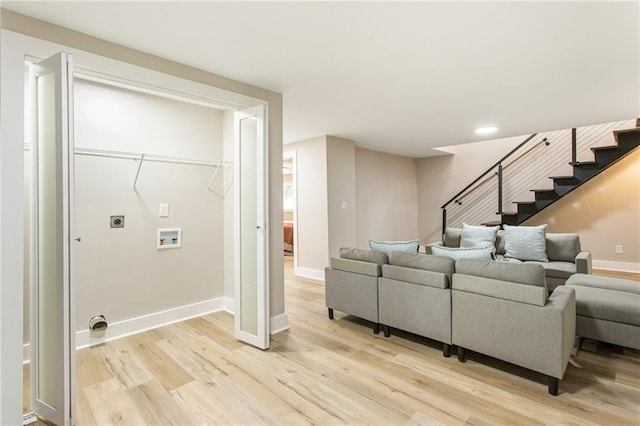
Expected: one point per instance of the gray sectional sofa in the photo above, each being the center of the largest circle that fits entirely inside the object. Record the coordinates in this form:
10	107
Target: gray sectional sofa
497	308
565	256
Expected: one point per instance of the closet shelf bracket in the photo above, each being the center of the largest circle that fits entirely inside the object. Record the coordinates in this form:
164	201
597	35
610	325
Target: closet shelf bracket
135	180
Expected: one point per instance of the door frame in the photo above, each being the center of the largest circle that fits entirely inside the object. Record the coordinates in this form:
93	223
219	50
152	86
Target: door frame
16	48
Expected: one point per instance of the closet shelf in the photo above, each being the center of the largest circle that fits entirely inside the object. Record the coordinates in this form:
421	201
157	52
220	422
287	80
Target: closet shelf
142	157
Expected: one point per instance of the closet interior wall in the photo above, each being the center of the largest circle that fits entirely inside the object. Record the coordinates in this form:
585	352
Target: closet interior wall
121	273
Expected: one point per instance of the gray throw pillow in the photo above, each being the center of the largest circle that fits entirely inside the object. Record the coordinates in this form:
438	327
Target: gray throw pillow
563	247
451	237
478	236
526	242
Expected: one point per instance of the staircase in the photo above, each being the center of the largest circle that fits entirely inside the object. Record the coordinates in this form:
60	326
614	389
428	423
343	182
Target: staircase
628	140
470	204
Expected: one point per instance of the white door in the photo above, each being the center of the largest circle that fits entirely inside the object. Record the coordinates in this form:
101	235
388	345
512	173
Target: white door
52	253
251	233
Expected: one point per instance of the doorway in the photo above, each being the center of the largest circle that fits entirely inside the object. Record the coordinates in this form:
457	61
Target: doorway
289	211
67	240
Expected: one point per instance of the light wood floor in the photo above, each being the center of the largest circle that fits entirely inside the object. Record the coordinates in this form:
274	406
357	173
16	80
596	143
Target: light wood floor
336	372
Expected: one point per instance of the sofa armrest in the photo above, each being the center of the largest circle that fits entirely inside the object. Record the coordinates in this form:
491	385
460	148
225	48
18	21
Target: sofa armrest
563	301
427	248
583	262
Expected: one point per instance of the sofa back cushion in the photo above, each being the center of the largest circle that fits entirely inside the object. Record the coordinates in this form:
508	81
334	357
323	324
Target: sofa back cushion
562	247
363	255
442	264
451	237
520	273
356	267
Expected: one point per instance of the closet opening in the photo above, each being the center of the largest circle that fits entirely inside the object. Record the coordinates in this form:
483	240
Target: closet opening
156	228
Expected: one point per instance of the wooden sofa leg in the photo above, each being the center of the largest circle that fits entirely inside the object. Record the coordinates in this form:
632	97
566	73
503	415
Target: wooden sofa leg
554	383
387	330
330	313
461	355
446	350
376	328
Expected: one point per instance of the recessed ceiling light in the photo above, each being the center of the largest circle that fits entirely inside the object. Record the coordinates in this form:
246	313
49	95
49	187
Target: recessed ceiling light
486	130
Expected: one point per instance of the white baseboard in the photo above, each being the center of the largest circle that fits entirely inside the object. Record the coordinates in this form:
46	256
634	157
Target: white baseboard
314	274
616	266
279	323
143	323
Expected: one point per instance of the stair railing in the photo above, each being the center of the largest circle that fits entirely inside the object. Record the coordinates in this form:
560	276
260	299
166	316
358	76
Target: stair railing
539	165
456	198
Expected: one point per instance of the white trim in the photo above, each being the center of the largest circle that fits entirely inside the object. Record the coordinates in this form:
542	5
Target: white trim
148	322
279	323
314	274
616	266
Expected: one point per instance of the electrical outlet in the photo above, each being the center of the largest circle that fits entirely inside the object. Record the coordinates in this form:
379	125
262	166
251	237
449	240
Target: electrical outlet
619	249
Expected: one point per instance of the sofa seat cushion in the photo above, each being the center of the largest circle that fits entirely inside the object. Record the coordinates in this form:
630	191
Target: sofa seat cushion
609	299
415	276
605	283
356	267
556	269
609	305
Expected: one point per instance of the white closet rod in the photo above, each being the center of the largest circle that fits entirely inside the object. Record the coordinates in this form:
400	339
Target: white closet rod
147	157
138	156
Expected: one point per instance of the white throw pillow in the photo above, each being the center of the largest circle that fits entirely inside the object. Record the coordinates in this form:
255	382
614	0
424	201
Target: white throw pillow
526	242
484	253
478	236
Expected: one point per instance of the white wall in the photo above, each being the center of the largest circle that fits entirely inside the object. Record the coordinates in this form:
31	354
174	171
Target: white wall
312	206
387	197
341	194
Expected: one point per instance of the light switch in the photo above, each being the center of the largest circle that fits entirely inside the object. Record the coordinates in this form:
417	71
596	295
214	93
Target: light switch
343	205
164	210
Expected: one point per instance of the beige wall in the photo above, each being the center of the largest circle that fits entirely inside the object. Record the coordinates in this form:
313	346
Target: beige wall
440	178
386	196
341	194
118	269
605	212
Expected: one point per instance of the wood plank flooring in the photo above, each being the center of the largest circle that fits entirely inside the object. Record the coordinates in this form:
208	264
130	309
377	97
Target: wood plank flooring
336	372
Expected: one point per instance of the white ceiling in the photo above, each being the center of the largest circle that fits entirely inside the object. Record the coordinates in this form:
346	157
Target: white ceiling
395	77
